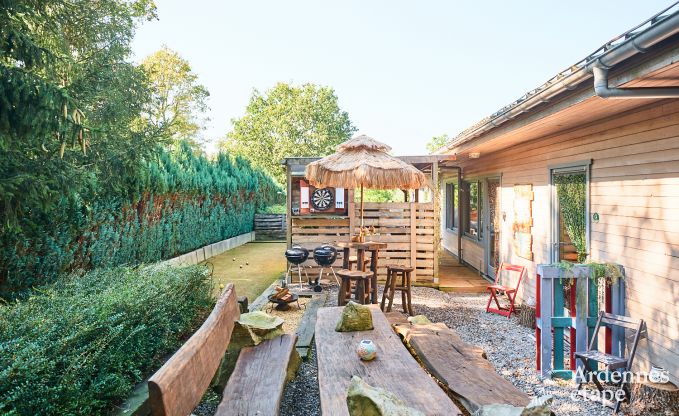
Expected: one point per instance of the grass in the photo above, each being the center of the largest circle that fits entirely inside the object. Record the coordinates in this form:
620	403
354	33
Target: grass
262	263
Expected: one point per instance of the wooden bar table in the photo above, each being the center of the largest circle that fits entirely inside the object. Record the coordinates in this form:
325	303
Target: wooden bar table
394	369
374	248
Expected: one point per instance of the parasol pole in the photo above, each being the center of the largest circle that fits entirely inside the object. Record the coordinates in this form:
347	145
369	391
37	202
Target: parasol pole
361	206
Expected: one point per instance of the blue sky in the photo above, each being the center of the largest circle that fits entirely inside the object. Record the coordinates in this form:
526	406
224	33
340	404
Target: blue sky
404	70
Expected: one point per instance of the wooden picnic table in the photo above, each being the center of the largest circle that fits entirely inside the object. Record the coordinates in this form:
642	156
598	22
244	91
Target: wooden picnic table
394	369
374	248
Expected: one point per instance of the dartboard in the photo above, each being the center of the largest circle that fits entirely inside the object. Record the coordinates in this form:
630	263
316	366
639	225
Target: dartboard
322	199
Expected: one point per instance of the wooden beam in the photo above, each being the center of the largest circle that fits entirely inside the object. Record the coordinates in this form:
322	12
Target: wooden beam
427	159
288	214
435	195
413	240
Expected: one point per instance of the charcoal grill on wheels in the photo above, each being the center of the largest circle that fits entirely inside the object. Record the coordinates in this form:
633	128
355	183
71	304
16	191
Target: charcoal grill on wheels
296	255
324	256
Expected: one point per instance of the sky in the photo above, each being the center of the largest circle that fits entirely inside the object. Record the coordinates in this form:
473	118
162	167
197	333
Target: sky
405	71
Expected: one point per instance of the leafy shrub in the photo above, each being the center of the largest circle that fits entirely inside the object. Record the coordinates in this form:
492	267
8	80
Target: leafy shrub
274	209
177	203
79	345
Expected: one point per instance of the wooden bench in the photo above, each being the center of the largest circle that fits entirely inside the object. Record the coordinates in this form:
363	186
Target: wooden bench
461	368
179	385
267	363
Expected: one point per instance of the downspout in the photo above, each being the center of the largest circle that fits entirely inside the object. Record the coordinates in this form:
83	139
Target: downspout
602	89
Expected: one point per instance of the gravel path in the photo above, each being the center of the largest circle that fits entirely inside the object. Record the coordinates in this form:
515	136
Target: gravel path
509	346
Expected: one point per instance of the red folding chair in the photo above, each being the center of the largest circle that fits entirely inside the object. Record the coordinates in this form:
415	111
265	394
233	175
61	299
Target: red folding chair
497	289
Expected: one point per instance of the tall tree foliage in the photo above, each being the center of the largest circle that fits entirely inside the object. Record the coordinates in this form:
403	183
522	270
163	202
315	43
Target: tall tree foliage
437	142
177	102
82	184
67	96
289	121
178	202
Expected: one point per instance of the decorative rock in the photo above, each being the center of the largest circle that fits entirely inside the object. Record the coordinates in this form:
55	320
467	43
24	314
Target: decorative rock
260	325
251	329
366	350
365	400
418	320
355	317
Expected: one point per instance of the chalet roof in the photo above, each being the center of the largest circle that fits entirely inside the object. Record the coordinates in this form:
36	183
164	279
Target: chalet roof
569	78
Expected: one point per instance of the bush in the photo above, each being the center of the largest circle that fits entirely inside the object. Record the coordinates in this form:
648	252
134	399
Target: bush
274	209
79	345
177	203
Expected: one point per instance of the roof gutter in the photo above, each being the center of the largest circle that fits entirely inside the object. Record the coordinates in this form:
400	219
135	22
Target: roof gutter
661	27
602	89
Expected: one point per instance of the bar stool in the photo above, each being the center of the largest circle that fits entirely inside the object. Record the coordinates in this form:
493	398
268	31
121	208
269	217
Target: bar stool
393	272
362	280
354	259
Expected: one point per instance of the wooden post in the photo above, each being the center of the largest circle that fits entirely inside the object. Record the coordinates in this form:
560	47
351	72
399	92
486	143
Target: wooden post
460	228
413	240
361	206
581	335
546	291
352	214
288	216
437	216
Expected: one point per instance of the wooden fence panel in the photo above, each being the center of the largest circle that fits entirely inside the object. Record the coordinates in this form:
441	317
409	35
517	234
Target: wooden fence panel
408	228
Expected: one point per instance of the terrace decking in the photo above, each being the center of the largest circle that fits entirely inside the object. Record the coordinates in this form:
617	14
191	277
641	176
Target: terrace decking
458	278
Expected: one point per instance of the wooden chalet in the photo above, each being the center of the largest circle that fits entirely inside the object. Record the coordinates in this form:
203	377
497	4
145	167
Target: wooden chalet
611	121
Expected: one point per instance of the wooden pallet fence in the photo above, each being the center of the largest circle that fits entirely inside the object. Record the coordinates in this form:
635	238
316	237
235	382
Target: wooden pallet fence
270	226
408	228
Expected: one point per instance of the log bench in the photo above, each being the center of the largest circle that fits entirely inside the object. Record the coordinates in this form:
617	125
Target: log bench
461	368
255	386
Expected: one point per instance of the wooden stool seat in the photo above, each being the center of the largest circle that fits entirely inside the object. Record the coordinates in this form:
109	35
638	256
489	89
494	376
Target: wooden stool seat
400	268
393	272
363	286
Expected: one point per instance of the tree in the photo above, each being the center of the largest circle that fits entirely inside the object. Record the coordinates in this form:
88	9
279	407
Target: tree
174	111
288	121
437	142
67	95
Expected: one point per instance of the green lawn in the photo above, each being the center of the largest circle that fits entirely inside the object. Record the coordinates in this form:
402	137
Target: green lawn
262	263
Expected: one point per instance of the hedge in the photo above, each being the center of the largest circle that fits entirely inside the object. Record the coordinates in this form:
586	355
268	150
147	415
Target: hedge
79	345
176	203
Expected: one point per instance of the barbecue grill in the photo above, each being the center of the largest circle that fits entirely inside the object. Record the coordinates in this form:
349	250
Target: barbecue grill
325	256
296	255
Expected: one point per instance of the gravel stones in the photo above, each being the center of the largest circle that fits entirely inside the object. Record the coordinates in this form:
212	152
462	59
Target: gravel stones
508	345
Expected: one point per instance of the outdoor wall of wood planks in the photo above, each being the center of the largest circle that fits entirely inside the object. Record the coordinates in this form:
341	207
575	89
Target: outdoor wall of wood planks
634	190
408	228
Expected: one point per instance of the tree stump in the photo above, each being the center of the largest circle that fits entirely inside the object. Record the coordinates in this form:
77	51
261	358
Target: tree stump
654	398
527	316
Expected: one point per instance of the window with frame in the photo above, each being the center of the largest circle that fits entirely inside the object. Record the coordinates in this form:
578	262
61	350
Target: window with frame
473	218
451	206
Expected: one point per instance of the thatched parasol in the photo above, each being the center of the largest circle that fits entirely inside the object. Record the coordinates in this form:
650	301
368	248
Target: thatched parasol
364	162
